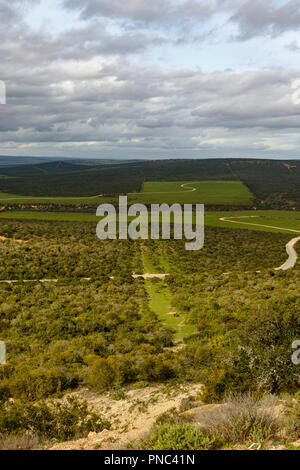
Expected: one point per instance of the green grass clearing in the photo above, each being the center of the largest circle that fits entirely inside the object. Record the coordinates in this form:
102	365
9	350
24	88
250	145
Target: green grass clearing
185	192
282	219
6	198
56	216
160	303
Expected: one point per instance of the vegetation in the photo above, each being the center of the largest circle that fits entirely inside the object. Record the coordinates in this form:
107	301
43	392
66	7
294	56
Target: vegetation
239	421
59	421
236	326
63	250
69	180
267	221
242	418
161	304
184	192
274	183
292	412
179	437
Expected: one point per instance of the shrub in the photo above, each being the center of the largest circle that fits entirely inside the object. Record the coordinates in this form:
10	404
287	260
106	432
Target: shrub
37	384
27	441
101	375
292	413
180	437
240	419
57	420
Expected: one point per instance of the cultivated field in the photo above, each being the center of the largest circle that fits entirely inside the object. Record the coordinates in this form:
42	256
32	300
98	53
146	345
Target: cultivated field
266	221
183	192
7	198
206	192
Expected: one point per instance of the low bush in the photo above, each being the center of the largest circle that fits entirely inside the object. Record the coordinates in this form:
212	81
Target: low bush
27	441
59	421
37	384
180	437
101	375
292	412
241	419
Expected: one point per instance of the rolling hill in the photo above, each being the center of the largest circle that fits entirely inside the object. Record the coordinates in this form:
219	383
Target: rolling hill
274	183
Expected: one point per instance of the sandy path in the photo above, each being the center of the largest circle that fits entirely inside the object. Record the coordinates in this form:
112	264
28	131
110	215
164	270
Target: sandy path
228	219
150	276
13	240
135	276
292	259
131	416
191	189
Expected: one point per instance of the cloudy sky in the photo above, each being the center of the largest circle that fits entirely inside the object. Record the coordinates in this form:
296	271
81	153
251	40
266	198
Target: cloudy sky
150	78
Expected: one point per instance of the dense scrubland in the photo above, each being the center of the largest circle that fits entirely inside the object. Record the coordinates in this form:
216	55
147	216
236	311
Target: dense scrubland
107	334
63	250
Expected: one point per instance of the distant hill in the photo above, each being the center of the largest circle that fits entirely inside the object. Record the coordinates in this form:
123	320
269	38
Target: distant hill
42	169
274	183
9	160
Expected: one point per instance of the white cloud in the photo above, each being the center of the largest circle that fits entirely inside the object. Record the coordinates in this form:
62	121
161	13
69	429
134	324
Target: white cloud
91	87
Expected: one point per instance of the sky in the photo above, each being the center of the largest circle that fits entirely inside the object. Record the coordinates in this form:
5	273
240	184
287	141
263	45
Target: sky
150	79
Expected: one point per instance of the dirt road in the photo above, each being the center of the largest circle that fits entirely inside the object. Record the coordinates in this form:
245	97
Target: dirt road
292	259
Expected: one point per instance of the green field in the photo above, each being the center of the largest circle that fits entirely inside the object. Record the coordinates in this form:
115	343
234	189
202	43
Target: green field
6	198
160	303
185	192
37	215
289	220
277	221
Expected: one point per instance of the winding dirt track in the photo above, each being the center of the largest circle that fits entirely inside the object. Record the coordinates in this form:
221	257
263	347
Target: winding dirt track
12	240
292	259
191	189
228	219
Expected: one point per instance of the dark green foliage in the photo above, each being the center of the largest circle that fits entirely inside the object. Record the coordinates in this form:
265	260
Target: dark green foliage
101	332
63	250
57	334
44	180
101	375
246	325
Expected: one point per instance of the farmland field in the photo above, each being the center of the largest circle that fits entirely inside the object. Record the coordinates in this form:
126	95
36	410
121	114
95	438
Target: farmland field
206	192
183	192
7	198
267	221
